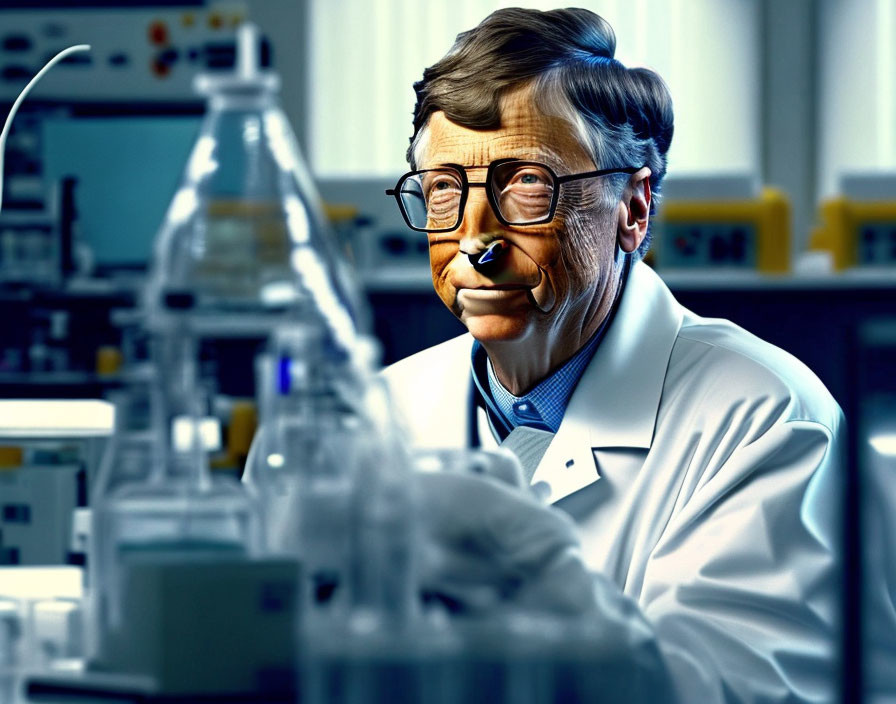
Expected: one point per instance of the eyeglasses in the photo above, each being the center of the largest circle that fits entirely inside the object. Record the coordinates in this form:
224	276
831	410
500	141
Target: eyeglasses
520	193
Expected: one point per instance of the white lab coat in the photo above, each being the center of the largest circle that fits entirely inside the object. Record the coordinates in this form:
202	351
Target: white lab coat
703	468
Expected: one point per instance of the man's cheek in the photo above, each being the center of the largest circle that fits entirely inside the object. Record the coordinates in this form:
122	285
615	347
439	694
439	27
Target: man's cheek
440	257
581	253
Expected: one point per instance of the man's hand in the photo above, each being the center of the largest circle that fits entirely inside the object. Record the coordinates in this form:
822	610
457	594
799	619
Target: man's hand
490	547
487	544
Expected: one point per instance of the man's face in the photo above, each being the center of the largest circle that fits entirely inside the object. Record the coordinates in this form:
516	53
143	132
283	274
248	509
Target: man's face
549	277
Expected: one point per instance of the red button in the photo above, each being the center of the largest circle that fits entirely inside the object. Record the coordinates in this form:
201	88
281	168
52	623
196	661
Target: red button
158	33
160	68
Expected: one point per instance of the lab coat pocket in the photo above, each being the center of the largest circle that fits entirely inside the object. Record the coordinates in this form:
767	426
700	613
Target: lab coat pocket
603	511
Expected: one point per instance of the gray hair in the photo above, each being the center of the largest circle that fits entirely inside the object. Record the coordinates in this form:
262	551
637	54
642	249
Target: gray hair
622	117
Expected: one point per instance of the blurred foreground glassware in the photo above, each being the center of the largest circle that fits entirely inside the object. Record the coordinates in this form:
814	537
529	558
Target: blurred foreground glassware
333	479
244	250
245	233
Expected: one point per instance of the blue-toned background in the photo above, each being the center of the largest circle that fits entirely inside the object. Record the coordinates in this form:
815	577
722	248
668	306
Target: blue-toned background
128	169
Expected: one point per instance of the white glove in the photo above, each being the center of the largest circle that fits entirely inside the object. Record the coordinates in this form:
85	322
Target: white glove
486	543
491	548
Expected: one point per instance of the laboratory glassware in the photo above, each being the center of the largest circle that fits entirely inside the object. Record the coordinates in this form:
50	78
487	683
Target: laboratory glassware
245	234
151	507
333	476
304	459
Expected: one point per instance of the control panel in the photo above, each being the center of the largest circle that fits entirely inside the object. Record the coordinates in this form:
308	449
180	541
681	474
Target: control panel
709	244
138	52
858	233
858	227
750	234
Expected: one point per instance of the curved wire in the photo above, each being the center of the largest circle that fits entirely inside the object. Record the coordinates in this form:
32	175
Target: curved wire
15	106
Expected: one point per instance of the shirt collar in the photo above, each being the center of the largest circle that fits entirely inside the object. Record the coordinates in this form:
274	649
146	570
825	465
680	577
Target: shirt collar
546	403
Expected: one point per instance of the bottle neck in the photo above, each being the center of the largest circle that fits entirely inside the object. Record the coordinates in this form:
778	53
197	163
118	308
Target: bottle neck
242	101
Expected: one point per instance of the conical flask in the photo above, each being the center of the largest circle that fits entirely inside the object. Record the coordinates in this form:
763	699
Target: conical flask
245	232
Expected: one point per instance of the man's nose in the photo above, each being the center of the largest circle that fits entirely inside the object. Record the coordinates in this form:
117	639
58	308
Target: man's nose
481	234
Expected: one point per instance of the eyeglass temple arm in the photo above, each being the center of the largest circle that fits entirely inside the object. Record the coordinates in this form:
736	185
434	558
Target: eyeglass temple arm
599	172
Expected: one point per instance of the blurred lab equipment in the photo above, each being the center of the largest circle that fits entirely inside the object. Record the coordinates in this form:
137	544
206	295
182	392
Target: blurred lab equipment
49	450
151	49
243	250
37	255
245	231
244	241
24	94
303	461
722	221
41	623
31	250
173	547
335	482
37	246
857	229
870	608
101	118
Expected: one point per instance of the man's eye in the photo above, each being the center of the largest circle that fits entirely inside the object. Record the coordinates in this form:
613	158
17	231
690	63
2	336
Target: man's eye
444	184
531	177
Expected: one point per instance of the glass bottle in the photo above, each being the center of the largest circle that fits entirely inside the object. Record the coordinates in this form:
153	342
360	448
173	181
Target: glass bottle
304	461
245	232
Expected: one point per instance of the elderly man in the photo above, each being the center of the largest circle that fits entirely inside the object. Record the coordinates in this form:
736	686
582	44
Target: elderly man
699	463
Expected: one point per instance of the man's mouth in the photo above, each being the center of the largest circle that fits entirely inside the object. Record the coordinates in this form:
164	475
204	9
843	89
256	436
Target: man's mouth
492	299
497	287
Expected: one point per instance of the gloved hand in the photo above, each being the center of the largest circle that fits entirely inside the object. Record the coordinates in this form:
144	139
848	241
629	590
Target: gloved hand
491	548
487	544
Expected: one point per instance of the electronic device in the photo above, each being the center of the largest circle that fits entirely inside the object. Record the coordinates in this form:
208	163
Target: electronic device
722	221
858	227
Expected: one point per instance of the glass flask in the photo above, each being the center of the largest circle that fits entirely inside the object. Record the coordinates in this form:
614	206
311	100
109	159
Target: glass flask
334	482
385	569
245	232
304	461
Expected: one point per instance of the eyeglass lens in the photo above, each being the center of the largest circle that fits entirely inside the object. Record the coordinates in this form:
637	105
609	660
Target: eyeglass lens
523	193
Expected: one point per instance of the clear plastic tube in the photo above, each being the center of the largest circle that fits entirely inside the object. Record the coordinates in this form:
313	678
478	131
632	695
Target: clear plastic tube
21	98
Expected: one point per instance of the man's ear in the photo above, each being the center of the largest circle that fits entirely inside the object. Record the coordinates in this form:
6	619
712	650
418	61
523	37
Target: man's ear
634	211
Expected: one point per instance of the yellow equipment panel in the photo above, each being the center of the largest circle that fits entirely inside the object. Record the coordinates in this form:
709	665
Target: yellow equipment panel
737	234
857	233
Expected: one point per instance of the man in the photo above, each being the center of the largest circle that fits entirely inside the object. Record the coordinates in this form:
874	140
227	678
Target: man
699	462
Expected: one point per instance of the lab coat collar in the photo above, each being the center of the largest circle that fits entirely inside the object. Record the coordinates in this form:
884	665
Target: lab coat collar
616	401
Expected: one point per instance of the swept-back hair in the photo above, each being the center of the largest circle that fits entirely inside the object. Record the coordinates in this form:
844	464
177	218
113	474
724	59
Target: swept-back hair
622	116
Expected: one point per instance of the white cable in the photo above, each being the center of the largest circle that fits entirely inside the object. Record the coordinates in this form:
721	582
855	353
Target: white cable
15	106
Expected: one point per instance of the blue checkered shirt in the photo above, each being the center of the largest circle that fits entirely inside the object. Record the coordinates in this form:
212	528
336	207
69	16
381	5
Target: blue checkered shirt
546	403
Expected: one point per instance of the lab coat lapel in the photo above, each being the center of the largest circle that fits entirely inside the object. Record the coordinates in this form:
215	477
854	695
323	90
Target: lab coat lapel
486	437
615	402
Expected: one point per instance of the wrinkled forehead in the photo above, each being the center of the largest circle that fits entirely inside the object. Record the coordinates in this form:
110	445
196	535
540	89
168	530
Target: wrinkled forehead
525	133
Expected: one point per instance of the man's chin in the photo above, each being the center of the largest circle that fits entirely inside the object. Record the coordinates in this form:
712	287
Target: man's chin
496	328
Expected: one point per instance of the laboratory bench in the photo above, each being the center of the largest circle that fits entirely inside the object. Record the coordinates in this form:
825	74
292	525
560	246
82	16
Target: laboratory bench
813	317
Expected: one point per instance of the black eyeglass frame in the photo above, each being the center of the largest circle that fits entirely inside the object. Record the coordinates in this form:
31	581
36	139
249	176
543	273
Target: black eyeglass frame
466	185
